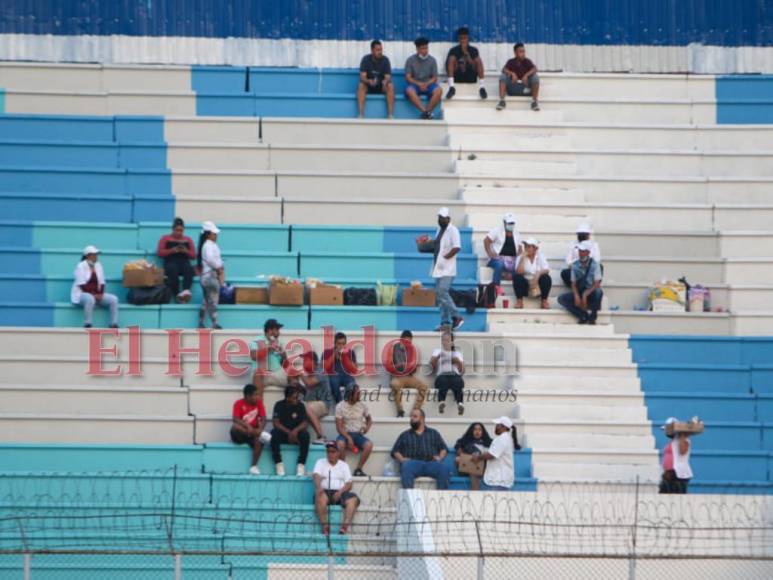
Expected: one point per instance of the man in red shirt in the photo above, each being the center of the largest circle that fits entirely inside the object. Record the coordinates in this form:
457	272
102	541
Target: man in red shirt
519	77
249	418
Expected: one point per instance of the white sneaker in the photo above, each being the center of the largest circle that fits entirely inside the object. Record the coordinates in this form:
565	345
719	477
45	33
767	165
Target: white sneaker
301	471
319	441
280	468
254	470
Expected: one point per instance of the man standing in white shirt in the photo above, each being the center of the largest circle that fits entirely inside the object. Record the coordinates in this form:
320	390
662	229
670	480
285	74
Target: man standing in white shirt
500	469
448	243
333	486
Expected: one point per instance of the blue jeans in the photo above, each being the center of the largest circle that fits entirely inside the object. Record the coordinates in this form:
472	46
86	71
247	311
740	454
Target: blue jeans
594	304
498	265
414	468
337	382
448	309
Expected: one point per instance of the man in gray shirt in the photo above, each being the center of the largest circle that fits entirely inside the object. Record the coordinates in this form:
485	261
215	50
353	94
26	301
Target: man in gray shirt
421	79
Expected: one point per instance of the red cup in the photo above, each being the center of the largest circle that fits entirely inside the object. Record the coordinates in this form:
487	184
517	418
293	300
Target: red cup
505	303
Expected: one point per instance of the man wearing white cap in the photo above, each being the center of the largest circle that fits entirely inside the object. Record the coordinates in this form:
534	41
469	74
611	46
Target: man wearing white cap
500	469
448	243
584	301
502	245
88	288
584	232
212	278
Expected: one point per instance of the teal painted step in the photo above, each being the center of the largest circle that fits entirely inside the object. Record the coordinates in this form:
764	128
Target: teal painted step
251	238
117	567
66	315
708	406
744	99
2	101
727	435
236	316
394	239
225	458
702	349
98	207
374	265
65	128
730	487
93	180
77	153
388	318
715	378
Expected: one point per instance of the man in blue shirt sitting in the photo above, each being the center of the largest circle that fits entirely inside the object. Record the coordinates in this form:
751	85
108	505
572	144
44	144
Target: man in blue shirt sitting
584	301
421	452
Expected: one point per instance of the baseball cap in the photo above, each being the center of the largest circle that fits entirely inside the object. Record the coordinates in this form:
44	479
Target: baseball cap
531	242
272	323
508	218
209	226
444	212
506	421
90	250
331	445
585	246
584	228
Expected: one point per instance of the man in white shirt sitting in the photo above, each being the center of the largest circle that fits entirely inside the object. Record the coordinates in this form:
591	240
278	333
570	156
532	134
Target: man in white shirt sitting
500	469
502	245
333	486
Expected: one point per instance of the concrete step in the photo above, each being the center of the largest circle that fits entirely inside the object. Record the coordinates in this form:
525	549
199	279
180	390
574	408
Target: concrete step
357	571
475	195
514	167
587	441
597	472
606	457
587	411
517	113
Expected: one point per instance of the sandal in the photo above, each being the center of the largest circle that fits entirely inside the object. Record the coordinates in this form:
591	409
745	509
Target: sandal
343	530
359	473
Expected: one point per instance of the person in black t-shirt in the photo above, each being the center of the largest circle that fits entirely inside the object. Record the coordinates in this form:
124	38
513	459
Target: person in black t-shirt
290	423
376	78
464	65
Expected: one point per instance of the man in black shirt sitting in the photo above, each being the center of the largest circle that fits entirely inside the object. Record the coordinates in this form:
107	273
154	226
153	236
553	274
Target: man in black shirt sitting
421	452
464	65
376	79
290	423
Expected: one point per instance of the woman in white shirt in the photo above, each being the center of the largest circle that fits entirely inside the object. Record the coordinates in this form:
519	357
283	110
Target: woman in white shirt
88	288
532	274
448	364
212	272
584	233
500	468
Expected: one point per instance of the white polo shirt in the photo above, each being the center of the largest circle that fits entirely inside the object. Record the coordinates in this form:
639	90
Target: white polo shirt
500	471
451	239
530	268
334	477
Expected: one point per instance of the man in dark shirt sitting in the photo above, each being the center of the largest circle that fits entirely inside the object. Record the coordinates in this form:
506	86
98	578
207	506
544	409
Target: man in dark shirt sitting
464	65
376	78
519	77
421	451
290	423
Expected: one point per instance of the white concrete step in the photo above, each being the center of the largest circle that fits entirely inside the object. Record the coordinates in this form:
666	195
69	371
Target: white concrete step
570	427
596	472
606	457
501	318
614	398
516	114
475	195
514	168
480	217
587	441
590	385
81	102
321	572
552	138
589	411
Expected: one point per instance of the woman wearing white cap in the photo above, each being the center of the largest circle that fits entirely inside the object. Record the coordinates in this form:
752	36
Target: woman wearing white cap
502	245
532	274
88	288
584	233
676	462
500	468
212	272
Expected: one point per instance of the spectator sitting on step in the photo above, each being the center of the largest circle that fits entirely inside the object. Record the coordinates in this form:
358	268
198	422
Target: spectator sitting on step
376	79
584	301
335	362
448	364
406	377
532	275
676	462
473	442
502	245
421	78
316	393
290	423
421	452
210	264
333	486
519	77
177	251
249	419
88	288
464	65
268	349
584	233
500	469
353	421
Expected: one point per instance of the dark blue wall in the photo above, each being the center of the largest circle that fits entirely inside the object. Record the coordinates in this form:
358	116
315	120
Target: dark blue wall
652	22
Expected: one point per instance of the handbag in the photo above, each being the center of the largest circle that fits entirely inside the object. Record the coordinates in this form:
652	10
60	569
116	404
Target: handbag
467	466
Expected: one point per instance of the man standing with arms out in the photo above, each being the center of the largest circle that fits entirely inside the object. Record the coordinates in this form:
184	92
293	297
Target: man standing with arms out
464	65
448	243
586	294
519	77
333	486
376	78
420	451
421	76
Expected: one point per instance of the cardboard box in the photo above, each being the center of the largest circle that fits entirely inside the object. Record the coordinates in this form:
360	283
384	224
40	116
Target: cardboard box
323	295
142	277
251	295
680	427
418	297
285	294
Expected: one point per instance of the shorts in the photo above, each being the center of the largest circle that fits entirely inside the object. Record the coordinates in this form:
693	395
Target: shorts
379	89
359	439
241	438
415	88
318	408
345	497
519	89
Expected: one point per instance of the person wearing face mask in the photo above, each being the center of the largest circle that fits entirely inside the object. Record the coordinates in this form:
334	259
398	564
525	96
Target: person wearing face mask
502	245
584	232
210	264
448	243
584	301
421	77
88	288
421	451
532	271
